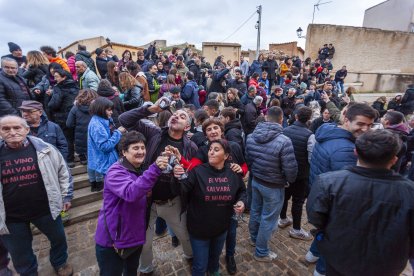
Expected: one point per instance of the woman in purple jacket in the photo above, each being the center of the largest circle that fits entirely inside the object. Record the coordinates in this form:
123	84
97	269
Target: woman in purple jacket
121	224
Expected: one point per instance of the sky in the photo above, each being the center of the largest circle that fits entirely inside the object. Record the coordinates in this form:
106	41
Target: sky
33	23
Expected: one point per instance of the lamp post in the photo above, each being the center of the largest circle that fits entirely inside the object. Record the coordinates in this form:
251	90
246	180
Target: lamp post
299	33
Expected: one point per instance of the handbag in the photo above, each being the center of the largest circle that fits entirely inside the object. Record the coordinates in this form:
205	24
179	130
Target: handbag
123	253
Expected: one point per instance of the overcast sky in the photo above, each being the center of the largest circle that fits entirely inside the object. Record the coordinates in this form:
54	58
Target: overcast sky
32	23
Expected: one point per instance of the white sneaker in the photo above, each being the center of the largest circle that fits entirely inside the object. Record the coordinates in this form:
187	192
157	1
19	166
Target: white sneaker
267	259
310	258
300	234
316	273
283	223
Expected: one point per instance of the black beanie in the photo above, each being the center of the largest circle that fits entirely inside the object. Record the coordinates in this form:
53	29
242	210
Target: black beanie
13	47
98	51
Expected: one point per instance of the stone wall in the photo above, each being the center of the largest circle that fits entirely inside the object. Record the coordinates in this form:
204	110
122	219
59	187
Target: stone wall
363	49
211	52
289	48
379	82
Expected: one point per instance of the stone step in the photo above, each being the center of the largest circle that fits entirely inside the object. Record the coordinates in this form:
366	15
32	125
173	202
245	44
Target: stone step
78	169
84	196
80	181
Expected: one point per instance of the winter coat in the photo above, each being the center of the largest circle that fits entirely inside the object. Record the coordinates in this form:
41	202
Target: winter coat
52	133
237	104
317	123
190	94
233	131
145	89
60	61
79	119
407	102
123	213
299	135
61	101
34	74
133	98
55	175
217	81
270	67
333	151
102	143
244	67
270	156
118	104
72	67
288	105
101	64
196	70
379	106
339	74
255	67
365	220
249	118
43	98
133	120
85	56
240	85
89	80
11	94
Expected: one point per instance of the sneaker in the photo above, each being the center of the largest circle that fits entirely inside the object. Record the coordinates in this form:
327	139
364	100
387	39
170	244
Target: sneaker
310	258
64	216
283	223
300	234
174	241
231	265
65	270
316	273
267	259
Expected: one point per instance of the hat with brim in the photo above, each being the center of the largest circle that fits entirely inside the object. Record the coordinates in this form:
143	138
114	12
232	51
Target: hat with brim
31	105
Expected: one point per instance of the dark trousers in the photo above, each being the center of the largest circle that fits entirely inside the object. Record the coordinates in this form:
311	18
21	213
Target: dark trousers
231	237
296	191
4	256
110	264
70	138
19	244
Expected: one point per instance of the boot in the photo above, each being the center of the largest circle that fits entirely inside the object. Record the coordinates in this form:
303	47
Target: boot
93	186
99	186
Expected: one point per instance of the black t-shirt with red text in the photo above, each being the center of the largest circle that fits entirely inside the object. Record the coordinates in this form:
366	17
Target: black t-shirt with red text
24	192
210	195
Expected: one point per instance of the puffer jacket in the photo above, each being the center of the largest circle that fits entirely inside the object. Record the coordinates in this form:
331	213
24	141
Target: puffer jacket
55	175
270	156
333	151
34	74
52	134
72	67
299	135
101	63
233	132
102	143
124	205
61	101
407	102
365	217
11	94
190	94
85	56
89	80
79	119
133	97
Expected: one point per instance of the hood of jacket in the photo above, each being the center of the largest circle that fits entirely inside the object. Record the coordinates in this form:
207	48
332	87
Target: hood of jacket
84	53
266	131
328	132
233	124
83	108
401	129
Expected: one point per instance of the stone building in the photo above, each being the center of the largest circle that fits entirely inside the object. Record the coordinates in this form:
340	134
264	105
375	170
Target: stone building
211	50
392	15
288	48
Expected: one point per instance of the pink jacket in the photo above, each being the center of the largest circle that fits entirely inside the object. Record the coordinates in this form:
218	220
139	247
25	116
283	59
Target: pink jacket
71	64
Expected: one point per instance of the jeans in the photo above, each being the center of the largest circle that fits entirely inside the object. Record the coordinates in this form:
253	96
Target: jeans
320	264
340	86
266	206
296	190
206	254
19	244
94	176
110	264
231	237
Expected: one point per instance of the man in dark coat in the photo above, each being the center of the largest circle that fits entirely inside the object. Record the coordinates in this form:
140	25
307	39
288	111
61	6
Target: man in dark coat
407	101
233	130
101	62
363	214
85	56
13	88
218	83
190	90
41	127
238	83
270	65
299	134
16	54
251	114
334	150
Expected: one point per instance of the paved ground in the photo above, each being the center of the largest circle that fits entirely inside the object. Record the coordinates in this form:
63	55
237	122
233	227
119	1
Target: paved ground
169	260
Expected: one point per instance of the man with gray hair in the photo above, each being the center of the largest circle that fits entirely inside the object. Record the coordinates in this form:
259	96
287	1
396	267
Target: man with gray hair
36	187
251	114
87	78
13	88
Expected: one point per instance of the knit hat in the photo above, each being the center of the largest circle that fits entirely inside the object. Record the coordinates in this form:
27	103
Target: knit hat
98	51
303	86
13	47
105	88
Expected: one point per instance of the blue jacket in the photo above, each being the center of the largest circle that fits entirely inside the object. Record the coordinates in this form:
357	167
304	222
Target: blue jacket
270	156
102	151
79	119
190	94
334	150
52	134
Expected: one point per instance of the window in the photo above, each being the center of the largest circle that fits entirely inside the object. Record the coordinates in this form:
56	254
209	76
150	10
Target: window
215	48
133	53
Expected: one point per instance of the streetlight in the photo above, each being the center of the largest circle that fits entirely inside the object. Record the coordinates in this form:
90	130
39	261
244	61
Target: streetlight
299	33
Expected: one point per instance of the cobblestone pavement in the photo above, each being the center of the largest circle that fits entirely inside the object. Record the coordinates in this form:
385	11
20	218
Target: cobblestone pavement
169	260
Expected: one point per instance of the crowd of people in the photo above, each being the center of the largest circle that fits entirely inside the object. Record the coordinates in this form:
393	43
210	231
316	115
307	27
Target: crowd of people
172	140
